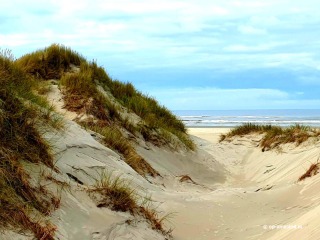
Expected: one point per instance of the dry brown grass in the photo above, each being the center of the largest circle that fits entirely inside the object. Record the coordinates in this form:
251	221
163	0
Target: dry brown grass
23	205
51	62
156	222
274	136
313	170
114	139
186	178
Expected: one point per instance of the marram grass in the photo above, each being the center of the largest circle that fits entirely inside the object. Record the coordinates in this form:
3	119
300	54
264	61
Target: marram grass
274	136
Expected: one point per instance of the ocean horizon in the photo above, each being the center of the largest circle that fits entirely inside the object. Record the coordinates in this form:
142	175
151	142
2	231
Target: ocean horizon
233	118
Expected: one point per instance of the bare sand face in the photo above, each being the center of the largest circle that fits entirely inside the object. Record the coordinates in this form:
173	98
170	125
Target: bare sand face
210	134
259	198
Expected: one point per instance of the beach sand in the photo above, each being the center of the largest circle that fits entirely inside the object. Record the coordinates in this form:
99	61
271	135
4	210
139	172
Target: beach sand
260	197
235	191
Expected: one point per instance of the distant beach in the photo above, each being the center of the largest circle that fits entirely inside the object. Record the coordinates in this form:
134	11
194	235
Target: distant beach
233	118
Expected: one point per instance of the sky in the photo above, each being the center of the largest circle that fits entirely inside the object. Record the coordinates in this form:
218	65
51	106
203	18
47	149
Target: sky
189	55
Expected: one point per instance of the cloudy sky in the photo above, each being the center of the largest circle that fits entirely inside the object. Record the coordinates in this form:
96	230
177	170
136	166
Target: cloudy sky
191	54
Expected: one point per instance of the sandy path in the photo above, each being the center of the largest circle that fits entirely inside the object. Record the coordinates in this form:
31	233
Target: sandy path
260	192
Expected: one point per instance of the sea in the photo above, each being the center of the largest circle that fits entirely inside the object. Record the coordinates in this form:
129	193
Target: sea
233	118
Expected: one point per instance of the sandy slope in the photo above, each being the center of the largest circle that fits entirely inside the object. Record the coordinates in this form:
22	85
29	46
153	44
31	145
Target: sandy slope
260	192
238	191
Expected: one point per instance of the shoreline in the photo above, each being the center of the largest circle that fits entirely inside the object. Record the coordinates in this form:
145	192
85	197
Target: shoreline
231	127
211	127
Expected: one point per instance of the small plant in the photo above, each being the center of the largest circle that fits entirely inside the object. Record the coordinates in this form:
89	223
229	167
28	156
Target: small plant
186	178
118	195
313	170
115	193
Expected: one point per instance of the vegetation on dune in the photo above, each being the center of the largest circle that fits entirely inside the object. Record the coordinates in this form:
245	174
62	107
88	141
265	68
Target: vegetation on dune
81	93
274	136
313	170
23	205
114	139
117	194
79	86
156	117
25	114
146	107
51	62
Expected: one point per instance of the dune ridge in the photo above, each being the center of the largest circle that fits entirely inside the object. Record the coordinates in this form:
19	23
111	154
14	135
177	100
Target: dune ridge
107	162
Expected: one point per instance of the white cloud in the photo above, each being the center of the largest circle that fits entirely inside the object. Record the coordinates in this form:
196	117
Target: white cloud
219	36
245	29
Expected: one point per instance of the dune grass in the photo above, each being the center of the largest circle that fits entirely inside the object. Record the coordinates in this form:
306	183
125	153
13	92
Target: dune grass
23	205
114	139
313	170
79	87
274	136
117	194
82	96
55	61
51	62
155	116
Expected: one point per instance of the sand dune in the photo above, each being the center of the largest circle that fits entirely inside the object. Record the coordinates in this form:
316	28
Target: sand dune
261	198
237	191
234	190
106	162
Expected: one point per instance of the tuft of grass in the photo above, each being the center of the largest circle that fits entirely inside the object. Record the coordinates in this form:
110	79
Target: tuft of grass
249	128
51	62
186	178
274	136
118	195
115	193
313	170
114	139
